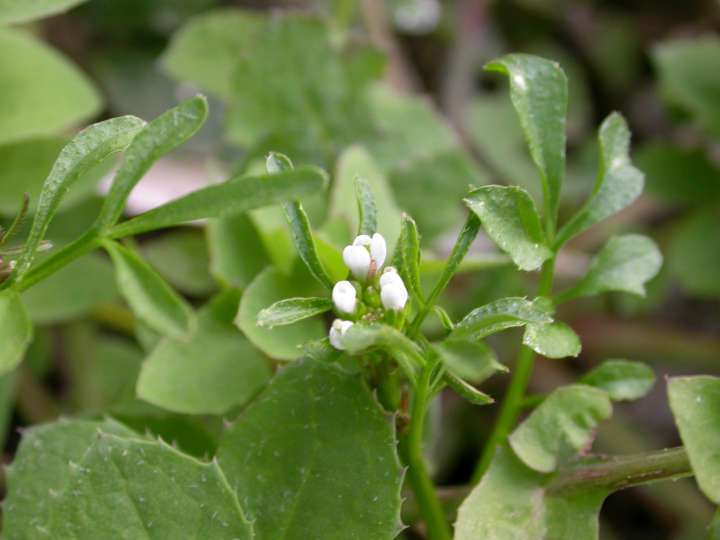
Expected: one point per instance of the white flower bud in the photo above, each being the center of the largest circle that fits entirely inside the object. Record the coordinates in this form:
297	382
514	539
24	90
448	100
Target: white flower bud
337	331
394	295
362	240
344	297
357	259
390	275
378	250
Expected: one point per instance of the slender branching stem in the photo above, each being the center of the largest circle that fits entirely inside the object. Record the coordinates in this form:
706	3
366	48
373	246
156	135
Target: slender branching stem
515	396
411	448
620	472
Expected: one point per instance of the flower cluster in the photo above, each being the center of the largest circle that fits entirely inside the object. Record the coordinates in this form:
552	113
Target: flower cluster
372	295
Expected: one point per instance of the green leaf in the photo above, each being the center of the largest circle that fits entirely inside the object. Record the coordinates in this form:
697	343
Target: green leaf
88	148
180	256
466	390
327	108
689	72
561	426
237	254
513	501
26	165
510	219
355	162
695	403
103	369
229	198
21	11
268	287
472	361
148	294
552	340
618	183
625	264
231	372
407	256
538	90
693	260
73	291
292	310
114	476
330	469
299	223
177	494
367	210
305	243
159	137
42	471
622	379
43	93
15	330
221	35
500	315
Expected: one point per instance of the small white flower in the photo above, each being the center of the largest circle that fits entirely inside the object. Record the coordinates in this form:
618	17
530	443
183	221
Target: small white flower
390	275
337	331
394	295
357	259
344	297
378	250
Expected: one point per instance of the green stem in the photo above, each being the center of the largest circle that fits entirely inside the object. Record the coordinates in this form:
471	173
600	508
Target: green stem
466	237
620	472
55	262
515	396
411	449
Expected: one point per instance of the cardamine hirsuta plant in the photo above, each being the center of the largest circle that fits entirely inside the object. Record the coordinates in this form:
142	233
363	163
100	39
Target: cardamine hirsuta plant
331	445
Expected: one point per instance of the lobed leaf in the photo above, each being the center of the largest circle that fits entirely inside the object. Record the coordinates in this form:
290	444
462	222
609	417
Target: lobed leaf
513	501
43	93
621	379
538	90
235	196
89	147
148	294
501	315
331	470
159	137
208	371
21	11
561	426
510	219
695	404
618	184
292	310
625	264
552	340
15	330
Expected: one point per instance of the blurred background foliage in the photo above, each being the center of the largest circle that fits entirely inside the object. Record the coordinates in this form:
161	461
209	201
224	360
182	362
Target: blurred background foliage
394	89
